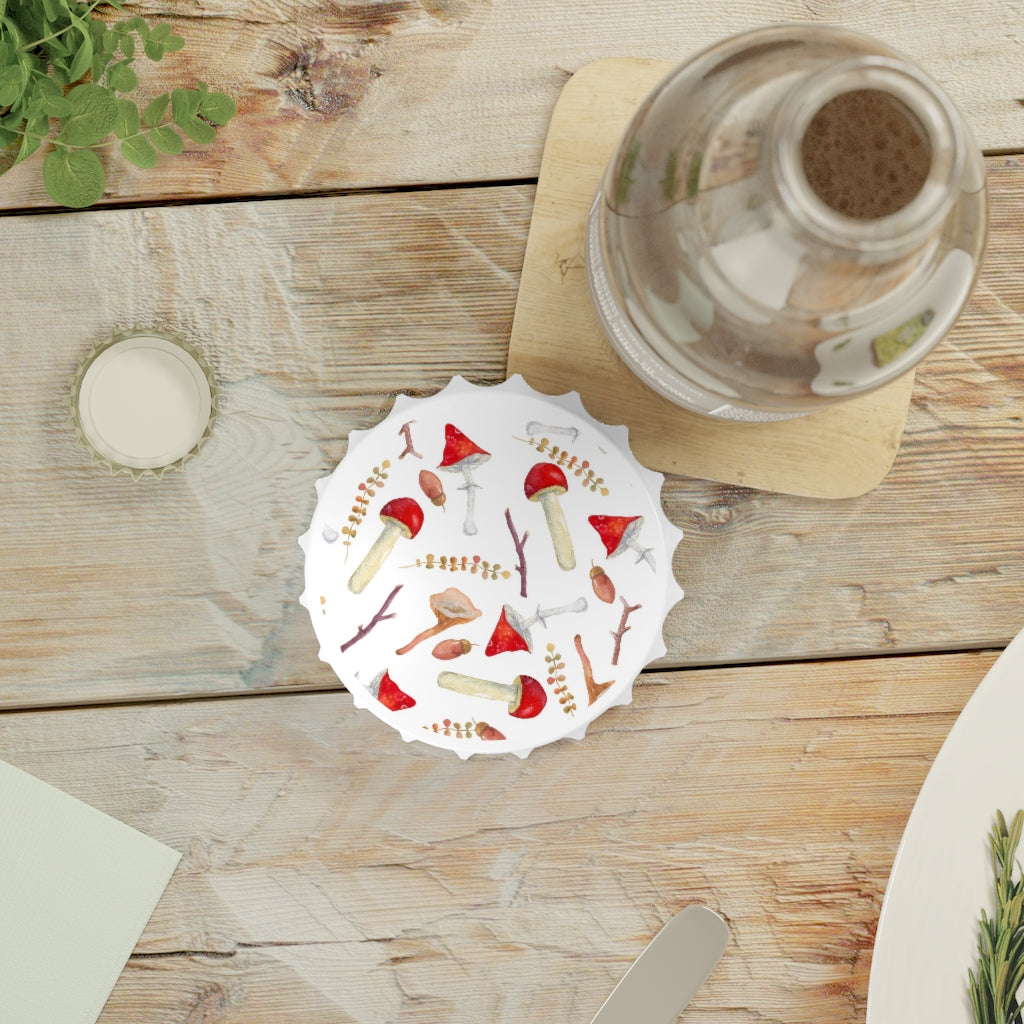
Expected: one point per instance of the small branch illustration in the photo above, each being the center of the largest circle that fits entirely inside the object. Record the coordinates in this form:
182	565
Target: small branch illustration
406	431
627	610
379	617
519	543
365	491
579	468
462	563
556	680
594	690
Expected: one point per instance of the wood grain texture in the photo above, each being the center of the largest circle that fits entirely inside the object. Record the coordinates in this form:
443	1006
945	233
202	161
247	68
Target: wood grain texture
338	94
333	873
314	314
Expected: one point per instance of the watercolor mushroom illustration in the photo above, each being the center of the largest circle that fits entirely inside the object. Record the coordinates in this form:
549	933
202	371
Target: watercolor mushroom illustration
461	455
512	631
451	608
390	694
402	517
545	483
524	696
618	533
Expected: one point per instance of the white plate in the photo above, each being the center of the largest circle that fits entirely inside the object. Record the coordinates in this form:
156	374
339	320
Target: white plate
942	878
590	609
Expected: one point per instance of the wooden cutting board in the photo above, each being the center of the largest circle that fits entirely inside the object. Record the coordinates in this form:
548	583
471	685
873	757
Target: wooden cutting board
557	343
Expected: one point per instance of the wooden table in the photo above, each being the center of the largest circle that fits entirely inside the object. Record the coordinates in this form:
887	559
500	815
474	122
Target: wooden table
358	231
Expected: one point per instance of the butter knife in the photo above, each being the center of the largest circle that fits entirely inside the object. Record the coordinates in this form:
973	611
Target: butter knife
668	973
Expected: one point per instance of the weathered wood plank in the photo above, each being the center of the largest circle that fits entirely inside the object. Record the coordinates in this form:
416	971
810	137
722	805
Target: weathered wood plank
334	873
382	92
314	313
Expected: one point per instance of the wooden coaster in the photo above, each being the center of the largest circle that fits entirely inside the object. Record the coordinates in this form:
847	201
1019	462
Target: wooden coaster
557	343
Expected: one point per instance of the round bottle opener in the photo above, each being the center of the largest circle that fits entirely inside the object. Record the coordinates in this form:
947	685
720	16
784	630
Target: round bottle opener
489	569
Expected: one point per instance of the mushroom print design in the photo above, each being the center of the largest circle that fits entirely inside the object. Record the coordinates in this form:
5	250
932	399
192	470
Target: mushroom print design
461	582
390	694
402	517
461	455
619	533
512	632
451	608
524	696
545	483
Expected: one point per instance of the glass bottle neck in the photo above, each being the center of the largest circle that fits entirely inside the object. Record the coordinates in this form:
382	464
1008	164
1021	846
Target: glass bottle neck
920	106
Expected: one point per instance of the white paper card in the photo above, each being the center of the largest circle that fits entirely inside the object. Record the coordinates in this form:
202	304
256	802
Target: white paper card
76	890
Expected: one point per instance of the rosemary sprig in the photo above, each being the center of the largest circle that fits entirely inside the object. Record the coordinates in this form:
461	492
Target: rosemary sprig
1001	940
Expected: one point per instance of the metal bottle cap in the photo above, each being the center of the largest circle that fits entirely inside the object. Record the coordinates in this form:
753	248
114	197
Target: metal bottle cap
143	402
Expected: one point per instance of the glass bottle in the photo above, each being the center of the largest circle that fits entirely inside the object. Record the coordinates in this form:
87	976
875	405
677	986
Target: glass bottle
793	217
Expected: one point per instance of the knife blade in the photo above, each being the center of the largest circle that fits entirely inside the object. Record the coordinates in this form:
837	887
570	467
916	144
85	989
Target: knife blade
668	973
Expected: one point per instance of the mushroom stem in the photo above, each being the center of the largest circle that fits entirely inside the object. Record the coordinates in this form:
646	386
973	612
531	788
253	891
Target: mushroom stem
533	428
374	558
558	529
643	554
469	526
541	615
473	686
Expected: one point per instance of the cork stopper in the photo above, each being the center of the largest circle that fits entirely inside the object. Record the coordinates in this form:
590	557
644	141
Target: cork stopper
143	402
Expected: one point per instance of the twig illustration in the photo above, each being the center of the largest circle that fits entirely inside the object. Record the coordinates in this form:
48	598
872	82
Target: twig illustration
406	431
556	680
627	610
379	617
594	689
519	543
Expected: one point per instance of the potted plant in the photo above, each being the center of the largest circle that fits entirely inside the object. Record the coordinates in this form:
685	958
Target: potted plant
66	82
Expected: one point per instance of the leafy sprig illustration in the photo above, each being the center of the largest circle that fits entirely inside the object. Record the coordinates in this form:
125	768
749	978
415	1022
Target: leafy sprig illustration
464	730
64	73
1000	965
556	680
361	502
475	565
573	464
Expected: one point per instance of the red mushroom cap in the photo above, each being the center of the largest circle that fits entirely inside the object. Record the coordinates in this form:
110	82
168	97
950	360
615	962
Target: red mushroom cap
505	638
458	448
406	512
543	477
532	701
611	529
391	695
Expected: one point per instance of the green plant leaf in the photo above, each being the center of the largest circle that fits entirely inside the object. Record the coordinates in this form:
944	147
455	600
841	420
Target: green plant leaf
74	178
12	82
137	150
128	45
198	131
52	9
154	51
36	128
184	106
94	113
51	98
121	77
83	57
217	107
167	140
127	122
156	109
160	33
173	43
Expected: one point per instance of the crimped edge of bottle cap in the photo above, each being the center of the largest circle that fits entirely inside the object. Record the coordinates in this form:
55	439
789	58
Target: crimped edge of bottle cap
102	454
